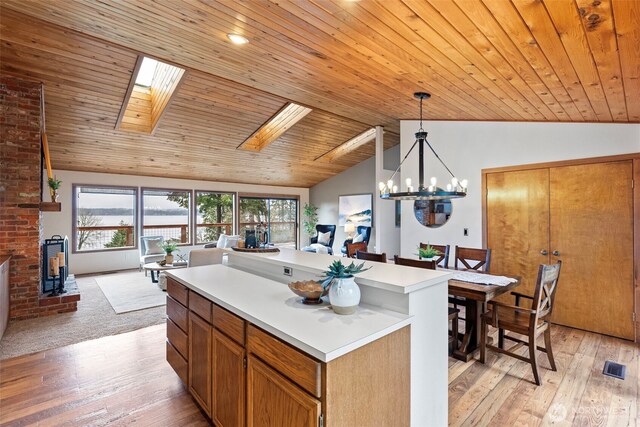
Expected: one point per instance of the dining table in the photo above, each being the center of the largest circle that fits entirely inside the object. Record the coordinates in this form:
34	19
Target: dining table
476	296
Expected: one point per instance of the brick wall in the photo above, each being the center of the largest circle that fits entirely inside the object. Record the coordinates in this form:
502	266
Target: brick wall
20	170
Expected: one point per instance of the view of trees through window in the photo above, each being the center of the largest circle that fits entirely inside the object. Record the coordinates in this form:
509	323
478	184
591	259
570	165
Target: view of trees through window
214	215
104	217
166	213
278	215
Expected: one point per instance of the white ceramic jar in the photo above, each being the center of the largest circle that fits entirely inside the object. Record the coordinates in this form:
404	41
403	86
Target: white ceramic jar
344	295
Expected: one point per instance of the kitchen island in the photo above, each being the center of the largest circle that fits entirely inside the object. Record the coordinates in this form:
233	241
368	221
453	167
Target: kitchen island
370	368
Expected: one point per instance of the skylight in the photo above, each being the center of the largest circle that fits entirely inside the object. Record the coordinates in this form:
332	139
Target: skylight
150	92
146	73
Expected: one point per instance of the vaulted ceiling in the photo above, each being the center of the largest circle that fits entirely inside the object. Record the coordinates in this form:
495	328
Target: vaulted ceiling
355	63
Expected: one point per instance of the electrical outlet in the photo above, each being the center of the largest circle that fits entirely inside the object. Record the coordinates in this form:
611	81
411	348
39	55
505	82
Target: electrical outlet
288	271
465	232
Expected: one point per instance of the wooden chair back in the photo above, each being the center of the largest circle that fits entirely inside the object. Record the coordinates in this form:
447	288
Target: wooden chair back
370	256
545	292
481	257
352	248
431	265
442	260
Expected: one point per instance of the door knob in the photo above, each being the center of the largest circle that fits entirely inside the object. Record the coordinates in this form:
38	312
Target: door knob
544	252
556	253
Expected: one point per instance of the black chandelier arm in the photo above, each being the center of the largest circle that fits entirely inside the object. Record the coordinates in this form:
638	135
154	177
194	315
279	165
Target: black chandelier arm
438	157
405	158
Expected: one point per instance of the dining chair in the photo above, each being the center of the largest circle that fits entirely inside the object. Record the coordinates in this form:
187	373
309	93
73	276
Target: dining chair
453	339
431	265
442	260
370	256
352	248
482	257
531	322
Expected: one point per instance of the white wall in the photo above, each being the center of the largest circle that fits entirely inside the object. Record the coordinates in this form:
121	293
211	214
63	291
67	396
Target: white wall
61	222
358	179
469	147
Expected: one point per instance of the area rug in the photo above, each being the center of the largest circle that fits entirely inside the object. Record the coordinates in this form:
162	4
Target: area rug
131	291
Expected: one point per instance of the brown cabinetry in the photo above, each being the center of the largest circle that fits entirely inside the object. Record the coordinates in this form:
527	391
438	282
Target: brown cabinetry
228	379
581	214
274	401
241	375
200	365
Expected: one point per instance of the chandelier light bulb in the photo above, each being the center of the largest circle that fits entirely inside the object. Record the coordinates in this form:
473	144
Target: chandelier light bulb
410	189
390	184
454	182
395	188
449	187
434	181
381	186
408	182
464	183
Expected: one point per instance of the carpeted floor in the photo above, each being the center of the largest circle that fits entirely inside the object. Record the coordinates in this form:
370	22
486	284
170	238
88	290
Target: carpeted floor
95	318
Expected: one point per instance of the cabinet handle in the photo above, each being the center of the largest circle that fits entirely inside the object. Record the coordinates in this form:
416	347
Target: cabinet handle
556	253
544	252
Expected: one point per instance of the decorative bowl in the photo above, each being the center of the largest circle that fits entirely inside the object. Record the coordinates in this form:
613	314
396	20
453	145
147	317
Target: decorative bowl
310	291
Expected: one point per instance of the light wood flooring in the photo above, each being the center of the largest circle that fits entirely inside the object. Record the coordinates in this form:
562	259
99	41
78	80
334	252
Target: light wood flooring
124	380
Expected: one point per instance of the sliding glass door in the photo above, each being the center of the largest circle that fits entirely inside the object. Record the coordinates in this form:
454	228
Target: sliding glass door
278	216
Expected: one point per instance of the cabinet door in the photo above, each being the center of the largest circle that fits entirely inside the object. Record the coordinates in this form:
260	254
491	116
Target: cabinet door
200	361
592	229
518	224
274	401
228	381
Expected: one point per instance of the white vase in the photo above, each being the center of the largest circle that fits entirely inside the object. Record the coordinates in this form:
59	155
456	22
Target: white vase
344	295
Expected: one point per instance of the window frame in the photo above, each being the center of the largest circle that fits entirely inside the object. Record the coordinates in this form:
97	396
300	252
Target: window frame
189	215
272	196
74	219
234	223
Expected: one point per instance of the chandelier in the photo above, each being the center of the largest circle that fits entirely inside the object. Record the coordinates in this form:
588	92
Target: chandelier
453	190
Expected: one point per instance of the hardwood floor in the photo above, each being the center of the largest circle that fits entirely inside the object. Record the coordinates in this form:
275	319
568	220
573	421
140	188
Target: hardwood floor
117	380
501	393
124	379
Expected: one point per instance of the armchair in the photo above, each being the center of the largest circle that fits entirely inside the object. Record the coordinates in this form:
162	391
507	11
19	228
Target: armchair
325	228
153	254
363	230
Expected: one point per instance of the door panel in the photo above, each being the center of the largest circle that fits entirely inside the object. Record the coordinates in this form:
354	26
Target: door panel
274	401
592	228
518	224
228	382
200	361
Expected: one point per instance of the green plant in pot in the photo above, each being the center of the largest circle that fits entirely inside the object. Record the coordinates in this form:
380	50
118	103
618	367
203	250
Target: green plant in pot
344	293
428	253
310	213
54	185
169	248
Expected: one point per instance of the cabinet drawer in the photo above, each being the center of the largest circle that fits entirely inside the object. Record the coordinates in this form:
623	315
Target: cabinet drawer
295	365
177	362
229	323
177	291
177	338
200	305
178	313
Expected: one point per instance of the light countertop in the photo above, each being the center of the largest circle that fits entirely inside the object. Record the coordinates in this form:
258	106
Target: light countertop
270	305
394	278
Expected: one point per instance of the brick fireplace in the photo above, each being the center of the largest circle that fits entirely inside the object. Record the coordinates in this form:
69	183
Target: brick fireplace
21	232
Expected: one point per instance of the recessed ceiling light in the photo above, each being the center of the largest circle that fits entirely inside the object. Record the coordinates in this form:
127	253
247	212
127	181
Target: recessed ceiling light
237	39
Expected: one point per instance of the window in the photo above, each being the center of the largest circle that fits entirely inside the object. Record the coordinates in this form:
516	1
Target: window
166	213
279	215
214	215
104	218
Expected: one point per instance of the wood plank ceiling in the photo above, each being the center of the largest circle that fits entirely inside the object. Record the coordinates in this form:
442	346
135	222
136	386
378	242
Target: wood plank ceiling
356	63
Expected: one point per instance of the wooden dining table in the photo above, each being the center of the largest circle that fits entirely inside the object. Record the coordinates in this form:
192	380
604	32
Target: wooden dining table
476	296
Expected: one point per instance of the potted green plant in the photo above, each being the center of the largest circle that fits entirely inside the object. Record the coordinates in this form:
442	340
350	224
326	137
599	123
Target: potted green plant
310	213
344	293
428	253
54	185
169	248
